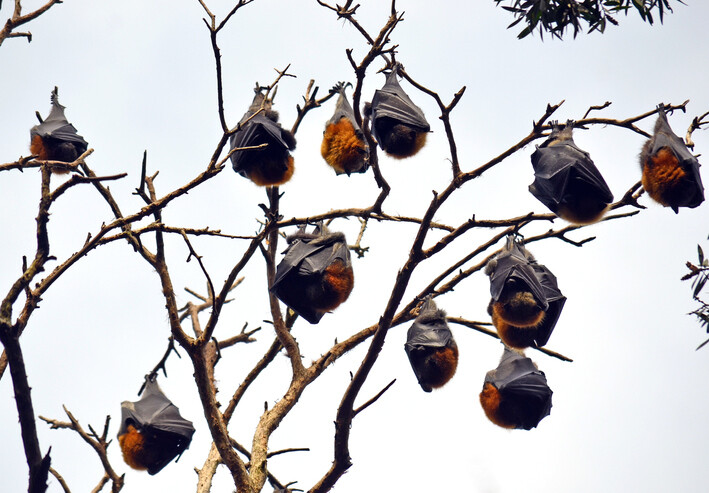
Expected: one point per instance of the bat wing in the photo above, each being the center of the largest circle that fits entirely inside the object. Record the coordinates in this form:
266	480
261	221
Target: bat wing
57	127
517	378
555	300
560	171
343	109
258	130
513	264
307	258
155	410
391	101
665	137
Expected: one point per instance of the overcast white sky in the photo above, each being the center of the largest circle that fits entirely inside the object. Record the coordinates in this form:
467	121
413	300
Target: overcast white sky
629	412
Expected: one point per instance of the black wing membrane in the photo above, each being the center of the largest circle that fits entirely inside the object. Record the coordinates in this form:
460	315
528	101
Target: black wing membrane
158	419
392	102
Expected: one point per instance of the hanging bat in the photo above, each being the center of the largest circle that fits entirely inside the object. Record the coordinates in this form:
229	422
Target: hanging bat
272	165
567	181
55	139
315	275
152	432
431	349
670	171
343	146
526	301
399	126
516	394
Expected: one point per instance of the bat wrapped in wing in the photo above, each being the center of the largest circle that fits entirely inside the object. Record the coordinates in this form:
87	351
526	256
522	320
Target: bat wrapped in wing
152	431
431	349
55	139
525	302
399	126
670	172
516	394
272	164
567	181
343	146
315	275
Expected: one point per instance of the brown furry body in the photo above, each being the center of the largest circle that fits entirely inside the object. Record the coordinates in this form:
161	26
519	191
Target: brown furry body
342	148
137	453
582	210
491	401
438	366
333	289
49	149
516	317
664	180
271	170
399	140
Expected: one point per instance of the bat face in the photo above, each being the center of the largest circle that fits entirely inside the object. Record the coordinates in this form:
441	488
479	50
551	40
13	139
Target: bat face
343	146
567	181
431	349
55	139
526	302
670	173
272	165
152	432
315	275
399	126
516	394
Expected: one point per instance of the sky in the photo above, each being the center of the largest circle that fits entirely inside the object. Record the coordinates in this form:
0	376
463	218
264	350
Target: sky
628	413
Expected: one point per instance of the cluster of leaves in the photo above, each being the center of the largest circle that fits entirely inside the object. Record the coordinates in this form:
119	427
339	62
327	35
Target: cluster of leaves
555	16
700	275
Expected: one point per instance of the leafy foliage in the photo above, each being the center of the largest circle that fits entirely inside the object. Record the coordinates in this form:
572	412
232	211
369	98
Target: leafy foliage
700	275
555	16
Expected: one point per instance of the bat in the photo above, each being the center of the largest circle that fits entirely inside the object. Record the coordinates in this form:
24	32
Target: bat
525	302
315	275
272	165
399	126
152	432
670	172
516	394
343	146
431	349
567	181
55	139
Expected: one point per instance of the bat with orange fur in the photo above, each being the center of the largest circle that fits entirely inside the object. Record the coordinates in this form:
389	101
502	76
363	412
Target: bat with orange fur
399	126
343	146
268	166
525	302
55	139
567	181
516	394
670	172
315	275
152	431
431	349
